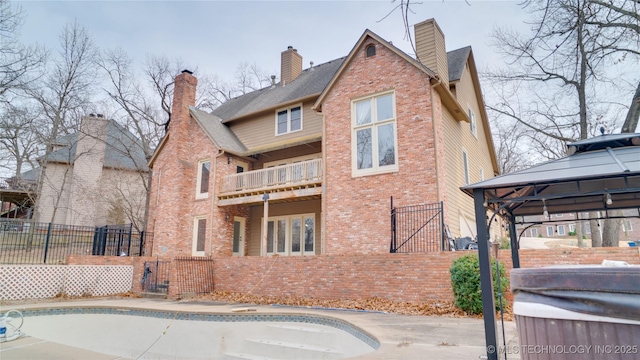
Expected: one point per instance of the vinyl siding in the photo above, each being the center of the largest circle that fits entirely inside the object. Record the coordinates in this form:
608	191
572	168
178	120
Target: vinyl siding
260	131
458	136
288	153
428	40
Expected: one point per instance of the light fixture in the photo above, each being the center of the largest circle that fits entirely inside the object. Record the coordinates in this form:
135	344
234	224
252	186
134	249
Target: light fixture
545	213
228	160
226	217
609	201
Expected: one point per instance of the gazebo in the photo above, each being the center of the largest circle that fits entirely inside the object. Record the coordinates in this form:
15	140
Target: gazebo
600	173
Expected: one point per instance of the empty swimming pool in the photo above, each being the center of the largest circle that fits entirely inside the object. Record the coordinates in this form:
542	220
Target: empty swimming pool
149	334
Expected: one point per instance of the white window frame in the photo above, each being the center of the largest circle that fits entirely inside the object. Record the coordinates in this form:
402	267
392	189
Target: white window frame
473	124
481	174
550	231
203	195
465	167
572	228
288	110
626	225
194	245
288	235
534	232
373	125
561	230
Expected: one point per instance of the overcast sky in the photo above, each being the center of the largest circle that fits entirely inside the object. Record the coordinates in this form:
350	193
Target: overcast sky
216	36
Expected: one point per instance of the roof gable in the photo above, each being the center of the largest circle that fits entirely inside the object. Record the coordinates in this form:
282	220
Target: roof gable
122	149
219	133
368	34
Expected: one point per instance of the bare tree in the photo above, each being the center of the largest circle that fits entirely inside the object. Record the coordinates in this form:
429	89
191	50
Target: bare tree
66	92
19	64
18	138
560	77
621	20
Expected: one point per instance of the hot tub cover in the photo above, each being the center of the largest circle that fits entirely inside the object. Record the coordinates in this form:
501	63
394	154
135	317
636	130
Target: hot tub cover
595	290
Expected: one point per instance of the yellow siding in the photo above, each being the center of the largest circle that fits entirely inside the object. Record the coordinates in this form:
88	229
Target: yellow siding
430	46
458	137
260	131
288	153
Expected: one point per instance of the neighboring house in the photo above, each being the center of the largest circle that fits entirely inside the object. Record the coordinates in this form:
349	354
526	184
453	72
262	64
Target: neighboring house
308	166
564	225
94	177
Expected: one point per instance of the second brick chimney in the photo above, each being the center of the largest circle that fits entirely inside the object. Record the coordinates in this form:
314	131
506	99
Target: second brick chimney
290	65
430	48
184	95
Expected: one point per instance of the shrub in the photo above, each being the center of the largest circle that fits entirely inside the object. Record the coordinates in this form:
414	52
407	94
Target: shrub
465	280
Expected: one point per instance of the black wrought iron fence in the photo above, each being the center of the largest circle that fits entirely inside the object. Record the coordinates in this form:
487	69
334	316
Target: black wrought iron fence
27	242
417	228
155	278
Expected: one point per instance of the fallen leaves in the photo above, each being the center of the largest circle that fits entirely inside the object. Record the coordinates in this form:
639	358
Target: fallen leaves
428	308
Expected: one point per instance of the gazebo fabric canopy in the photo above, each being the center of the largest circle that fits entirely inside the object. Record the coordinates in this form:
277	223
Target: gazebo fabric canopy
601	173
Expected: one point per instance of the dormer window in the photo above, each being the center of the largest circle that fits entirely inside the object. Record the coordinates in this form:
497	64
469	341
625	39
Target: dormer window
289	120
371	50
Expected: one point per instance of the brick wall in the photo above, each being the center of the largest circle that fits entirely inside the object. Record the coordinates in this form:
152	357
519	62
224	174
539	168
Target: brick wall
402	277
413	277
357	208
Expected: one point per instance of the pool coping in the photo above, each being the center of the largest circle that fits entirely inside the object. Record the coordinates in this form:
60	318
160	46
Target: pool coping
213	316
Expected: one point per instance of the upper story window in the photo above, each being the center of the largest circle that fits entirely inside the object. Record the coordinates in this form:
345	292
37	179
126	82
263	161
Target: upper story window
374	145
472	122
202	186
371	50
289	120
465	167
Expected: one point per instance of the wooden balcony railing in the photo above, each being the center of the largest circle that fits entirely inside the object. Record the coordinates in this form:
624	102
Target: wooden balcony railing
298	174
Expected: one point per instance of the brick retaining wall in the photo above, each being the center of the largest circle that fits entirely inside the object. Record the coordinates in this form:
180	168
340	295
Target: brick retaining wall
413	277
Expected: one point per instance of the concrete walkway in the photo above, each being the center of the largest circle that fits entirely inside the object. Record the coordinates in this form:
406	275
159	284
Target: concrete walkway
400	336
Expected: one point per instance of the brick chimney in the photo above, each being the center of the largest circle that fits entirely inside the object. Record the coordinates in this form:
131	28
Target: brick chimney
184	95
430	48
290	65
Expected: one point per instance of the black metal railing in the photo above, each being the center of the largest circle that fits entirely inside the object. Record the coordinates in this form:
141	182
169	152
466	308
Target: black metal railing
194	275
155	278
27	242
118	240
417	228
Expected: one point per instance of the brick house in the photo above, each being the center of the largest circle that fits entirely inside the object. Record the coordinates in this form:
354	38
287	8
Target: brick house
307	166
93	177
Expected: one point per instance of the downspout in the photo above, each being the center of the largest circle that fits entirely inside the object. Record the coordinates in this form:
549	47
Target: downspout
435	140
214	190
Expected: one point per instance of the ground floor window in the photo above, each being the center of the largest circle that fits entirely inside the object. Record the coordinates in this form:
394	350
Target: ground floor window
291	235
199	235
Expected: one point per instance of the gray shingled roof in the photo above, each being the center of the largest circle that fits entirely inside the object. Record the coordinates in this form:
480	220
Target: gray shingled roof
220	133
123	150
310	82
456	61
610	165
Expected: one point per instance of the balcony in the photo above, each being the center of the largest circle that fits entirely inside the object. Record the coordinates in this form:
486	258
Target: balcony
17	190
298	180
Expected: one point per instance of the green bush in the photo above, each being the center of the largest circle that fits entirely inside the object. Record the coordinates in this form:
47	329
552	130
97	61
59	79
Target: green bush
465	280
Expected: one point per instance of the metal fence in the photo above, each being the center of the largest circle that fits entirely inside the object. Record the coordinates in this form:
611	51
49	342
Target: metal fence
417	228
155	278
27	242
194	275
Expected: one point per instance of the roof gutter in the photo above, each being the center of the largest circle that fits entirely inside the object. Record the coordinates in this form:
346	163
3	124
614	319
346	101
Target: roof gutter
449	100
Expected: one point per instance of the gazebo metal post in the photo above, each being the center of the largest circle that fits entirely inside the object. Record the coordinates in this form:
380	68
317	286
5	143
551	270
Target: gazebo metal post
486	280
513	235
